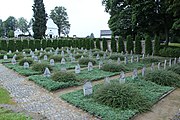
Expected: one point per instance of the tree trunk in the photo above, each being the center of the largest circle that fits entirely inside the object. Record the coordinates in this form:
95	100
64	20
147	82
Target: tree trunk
59	31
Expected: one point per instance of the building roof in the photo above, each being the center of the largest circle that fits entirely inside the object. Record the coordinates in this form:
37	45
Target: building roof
105	33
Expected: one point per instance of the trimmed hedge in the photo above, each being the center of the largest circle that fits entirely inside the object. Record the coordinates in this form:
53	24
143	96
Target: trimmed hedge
40	67
175	68
130	44
85	61
64	77
170	52
114	67
148	45
29	60
121	47
11	45
138	47
113	44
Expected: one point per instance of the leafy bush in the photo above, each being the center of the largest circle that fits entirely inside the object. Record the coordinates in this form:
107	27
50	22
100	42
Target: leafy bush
175	68
63	76
77	56
85	61
19	56
32	44
40	67
105	44
163	77
1	56
57	58
156	45
11	45
18	45
121	47
98	44
3	52
113	44
170	52
138	47
152	59
124	96
114	67
4	45
37	44
48	49
48	55
27	51
116	56
29	60
25	44
100	53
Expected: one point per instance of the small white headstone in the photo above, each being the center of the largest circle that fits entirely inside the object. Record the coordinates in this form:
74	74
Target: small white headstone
131	52
52	62
175	60
77	69
122	78
35	58
100	64
45	57
14	56
10	52
24	53
143	56
137	59
87	88
97	57
165	62
39	61
132	59
152	67
159	66
17	51
179	60
63	61
104	56
47	72
135	74
110	61
50	51
143	71
106	81
122	53
42	49
26	65
170	63
5	57
73	59
13	61
36	50
82	56
119	60
125	60
90	66
62	53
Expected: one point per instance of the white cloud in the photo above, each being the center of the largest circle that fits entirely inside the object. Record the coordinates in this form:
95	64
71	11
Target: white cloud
85	16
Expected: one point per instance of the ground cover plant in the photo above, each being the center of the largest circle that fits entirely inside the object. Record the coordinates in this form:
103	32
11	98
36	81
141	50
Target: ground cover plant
175	68
58	82
149	90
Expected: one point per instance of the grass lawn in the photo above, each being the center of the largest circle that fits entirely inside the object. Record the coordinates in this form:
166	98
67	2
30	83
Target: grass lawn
148	89
174	44
8	114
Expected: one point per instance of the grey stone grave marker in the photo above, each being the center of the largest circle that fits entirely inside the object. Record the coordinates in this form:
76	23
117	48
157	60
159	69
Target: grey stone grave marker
90	66
87	88
135	74
52	62
77	69
159	66
106	81
170	62
143	71
152	67
13	61
125	60
175	61
26	65
122	78
5	57
165	62
100	64
132	59
45	57
63	61
47	72
119	60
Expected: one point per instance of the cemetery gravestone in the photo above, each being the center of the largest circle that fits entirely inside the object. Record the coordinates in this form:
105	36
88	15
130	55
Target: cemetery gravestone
165	62
26	65
125	60
77	69
159	66
175	60
87	88
122	78
63	61
152	67
5	57
100	64
13	61
170	63
135	74
143	71
47	72
119	61
52	62
90	66
132	59
106	81
45	57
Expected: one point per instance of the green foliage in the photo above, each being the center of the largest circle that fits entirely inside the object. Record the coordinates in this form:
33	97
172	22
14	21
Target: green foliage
27	50
11	34
98	52
163	77
57	58
11	45
175	68
51	85
60	43
25	44
18	45
5	97
114	67
44	43
32	45
92	44
116	56
60	18
40	67
55	43
37	44
85	61
29	60
148	45
113	44
138	46
49	43
39	19
19	56
170	52
64	76
98	44
3	52
105	44
4	45
129	44
121	47
156	45
124	96
153	60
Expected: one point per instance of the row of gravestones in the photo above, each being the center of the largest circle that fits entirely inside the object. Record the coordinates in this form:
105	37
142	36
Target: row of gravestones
88	88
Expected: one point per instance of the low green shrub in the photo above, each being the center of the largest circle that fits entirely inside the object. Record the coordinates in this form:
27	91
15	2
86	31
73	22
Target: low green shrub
170	52
10	55
40	67
49	48
27	51
124	96
19	56
152	59
63	76
48	55
175	68
116	56
1	56
85	61
3	52
29	60
57	58
100	53
163	77
114	67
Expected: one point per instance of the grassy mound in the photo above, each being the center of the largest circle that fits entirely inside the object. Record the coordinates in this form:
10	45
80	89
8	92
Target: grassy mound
123	96
85	61
63	76
57	58
175	68
29	60
163	77
40	67
114	67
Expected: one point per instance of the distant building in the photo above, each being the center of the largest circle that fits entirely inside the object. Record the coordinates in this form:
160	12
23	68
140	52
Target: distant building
17	32
105	33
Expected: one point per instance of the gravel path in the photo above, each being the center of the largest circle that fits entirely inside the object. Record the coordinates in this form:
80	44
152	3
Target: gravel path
34	99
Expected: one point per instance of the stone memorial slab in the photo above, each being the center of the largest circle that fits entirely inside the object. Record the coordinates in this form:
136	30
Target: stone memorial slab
90	66
119	60
135	74
26	65
36	50
159	66
62	53
35	58
73	59
106	81
5	57
122	53
82	56
39	61
52	62
47	72
132	59
152	67
122	78
179	60
17	51
104	56
143	56
165	62
137	58
87	88
77	69
131	52
45	57
63	61
10	52
143	71
13	61
41	50
175	61
170	63
100	64
125	60
97	57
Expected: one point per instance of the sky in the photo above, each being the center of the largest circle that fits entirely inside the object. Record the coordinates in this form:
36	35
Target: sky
85	16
